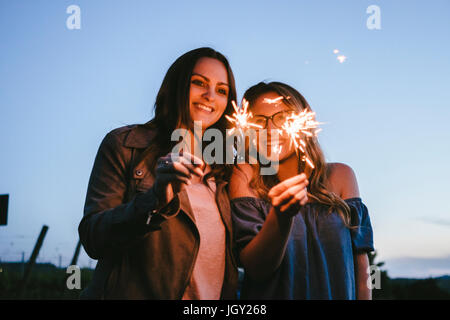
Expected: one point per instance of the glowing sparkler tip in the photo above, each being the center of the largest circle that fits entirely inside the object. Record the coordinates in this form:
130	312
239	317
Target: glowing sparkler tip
295	126
298	125
277	149
241	117
272	101
341	58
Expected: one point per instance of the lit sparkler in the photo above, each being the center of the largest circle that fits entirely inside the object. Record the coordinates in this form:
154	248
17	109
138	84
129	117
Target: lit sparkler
272	101
277	148
241	117
296	126
299	125
341	58
275	101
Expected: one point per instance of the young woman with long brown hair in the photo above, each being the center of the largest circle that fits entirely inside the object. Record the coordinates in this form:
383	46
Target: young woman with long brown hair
147	208
300	233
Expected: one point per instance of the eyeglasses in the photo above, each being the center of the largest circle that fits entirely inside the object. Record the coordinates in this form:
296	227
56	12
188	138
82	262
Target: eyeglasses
278	119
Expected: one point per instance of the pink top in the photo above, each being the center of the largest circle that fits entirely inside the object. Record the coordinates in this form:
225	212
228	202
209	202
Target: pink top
209	269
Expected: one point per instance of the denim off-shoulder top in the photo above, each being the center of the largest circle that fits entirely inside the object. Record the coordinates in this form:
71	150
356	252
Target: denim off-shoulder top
318	262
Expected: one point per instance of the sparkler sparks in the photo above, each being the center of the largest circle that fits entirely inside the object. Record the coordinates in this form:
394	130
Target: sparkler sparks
272	101
277	148
241	117
298	125
341	58
276	100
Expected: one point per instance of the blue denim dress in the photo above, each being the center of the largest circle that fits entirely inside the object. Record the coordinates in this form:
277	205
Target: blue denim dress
318	263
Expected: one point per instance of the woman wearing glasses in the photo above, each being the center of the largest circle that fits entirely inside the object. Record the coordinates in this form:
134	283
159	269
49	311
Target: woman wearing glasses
300	234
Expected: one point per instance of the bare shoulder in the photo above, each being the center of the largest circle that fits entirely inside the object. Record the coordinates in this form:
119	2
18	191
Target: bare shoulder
342	180
240	180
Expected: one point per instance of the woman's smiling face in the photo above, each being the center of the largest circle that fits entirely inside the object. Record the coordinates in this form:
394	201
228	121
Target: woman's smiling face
275	146
208	95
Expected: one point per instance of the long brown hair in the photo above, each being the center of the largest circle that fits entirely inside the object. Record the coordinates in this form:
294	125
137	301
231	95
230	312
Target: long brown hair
318	188
172	105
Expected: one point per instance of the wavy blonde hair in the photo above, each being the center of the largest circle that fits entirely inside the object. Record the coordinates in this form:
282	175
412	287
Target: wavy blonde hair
318	188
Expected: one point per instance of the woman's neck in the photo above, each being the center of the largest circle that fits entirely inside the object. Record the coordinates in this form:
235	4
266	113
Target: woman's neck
193	142
288	167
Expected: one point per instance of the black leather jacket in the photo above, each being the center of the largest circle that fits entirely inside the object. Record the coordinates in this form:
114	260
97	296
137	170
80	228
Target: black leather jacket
136	260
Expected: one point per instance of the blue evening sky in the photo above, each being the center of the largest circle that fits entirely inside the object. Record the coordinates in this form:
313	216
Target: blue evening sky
386	107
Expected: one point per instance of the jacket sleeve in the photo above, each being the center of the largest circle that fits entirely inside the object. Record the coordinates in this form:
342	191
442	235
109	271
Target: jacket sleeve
110	225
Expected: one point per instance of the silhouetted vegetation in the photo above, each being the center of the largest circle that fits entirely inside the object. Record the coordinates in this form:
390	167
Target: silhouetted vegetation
46	282
49	282
426	289
409	289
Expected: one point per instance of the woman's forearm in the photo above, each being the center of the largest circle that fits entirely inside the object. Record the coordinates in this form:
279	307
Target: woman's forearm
363	292
263	255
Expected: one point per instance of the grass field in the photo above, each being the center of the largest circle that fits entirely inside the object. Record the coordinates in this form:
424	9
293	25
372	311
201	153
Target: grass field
49	282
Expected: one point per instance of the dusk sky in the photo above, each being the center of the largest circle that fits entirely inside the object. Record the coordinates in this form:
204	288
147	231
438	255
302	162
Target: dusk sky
386	105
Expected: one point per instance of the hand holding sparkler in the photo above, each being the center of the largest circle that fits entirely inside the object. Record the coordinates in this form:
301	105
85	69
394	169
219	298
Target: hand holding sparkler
289	193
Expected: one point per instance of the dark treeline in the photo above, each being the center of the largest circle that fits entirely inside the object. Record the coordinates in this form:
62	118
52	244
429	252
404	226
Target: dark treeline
45	282
49	282
409	289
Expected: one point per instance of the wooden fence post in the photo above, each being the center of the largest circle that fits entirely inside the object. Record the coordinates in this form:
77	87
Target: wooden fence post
32	260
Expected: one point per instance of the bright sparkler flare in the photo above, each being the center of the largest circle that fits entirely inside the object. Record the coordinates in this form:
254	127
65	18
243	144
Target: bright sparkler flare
272	101
275	101
299	125
341	58
241	117
277	149
296	126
